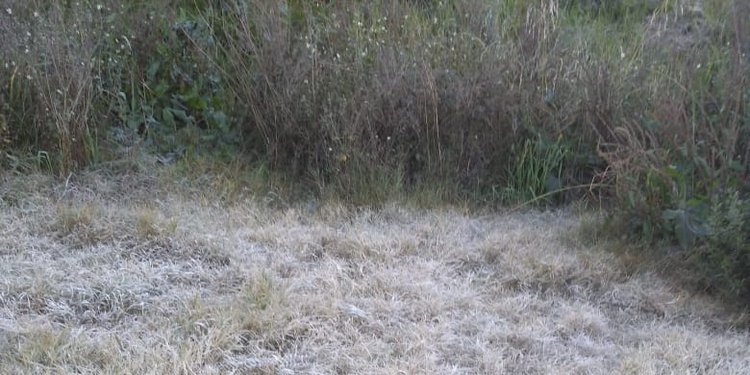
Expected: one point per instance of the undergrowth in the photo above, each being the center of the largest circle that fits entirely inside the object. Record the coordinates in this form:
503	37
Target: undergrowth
639	103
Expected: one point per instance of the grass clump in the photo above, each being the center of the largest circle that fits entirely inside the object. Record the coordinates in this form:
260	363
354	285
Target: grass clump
149	223
45	348
72	218
536	173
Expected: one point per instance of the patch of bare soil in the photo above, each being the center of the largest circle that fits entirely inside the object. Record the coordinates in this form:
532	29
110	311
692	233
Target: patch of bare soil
94	279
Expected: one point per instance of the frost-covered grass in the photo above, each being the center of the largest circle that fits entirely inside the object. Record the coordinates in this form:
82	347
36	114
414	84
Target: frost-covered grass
131	274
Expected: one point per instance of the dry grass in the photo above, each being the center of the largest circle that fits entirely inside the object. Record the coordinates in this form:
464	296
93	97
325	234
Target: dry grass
125	275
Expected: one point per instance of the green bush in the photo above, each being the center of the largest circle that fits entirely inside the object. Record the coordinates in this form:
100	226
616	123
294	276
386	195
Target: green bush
724	257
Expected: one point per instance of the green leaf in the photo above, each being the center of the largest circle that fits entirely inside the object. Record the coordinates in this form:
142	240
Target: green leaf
168	118
161	89
193	100
670	215
687	226
673	172
152	70
218	120
182	115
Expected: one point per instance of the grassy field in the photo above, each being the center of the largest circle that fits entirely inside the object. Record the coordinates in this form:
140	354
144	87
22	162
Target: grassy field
639	105
128	274
386	186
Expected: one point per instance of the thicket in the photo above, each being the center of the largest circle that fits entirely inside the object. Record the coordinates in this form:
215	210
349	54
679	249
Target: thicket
640	104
